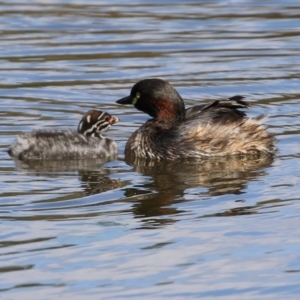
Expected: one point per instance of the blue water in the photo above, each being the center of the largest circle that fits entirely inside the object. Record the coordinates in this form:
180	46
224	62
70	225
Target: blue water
94	229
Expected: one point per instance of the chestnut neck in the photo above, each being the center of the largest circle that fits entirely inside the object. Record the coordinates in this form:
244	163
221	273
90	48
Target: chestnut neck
169	112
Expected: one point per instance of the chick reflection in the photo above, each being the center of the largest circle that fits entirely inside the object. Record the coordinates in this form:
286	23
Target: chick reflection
93	175
95	182
222	175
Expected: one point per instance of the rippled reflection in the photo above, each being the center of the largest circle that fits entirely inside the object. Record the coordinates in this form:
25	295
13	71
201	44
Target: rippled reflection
225	227
221	175
170	181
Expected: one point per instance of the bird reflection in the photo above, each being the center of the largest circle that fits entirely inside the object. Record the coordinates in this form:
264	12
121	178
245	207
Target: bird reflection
92	174
162	184
170	181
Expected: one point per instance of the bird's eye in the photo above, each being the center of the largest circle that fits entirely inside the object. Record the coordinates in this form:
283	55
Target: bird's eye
136	98
107	118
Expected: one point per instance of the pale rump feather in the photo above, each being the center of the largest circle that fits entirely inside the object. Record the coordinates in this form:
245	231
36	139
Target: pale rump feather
243	137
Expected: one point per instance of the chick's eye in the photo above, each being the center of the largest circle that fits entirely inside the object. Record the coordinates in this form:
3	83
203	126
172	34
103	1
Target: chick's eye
107	118
138	95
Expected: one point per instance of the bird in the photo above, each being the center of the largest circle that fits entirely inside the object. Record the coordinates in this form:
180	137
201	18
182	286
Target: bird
86	142
174	132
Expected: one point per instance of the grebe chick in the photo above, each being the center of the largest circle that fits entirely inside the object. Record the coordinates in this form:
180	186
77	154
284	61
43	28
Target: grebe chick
86	142
215	129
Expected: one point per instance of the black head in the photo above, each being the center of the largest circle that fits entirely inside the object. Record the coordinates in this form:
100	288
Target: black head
157	98
94	122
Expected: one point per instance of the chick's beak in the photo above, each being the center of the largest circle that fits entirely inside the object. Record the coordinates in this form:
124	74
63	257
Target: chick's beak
113	120
125	100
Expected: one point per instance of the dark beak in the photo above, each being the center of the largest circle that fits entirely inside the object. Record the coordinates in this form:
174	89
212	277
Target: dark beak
125	100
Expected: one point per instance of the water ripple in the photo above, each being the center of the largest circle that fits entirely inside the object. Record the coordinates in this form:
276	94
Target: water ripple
202	229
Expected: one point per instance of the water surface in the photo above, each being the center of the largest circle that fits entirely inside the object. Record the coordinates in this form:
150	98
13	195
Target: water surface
226	228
